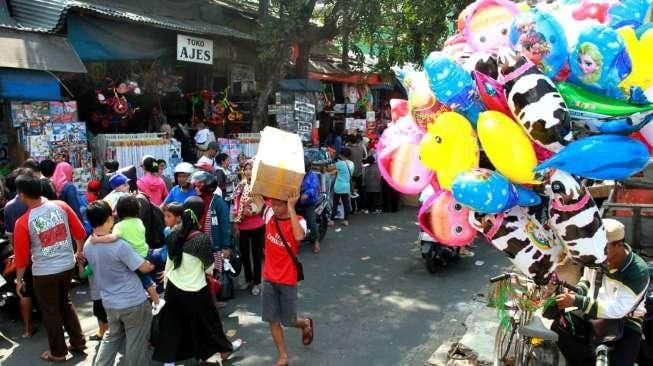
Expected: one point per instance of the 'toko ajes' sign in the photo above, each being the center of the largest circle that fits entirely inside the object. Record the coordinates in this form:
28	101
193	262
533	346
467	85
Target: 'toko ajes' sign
193	49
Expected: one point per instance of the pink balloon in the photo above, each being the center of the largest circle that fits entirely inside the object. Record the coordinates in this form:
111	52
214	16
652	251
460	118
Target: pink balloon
446	220
492	93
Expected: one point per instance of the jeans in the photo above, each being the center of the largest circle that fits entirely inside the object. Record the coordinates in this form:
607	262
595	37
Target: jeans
308	212
346	204
53	296
251	242
128	328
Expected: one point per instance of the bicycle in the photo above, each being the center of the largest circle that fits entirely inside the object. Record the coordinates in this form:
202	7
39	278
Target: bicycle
522	339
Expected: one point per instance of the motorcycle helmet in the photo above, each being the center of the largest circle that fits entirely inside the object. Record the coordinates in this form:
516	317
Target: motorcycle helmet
185	168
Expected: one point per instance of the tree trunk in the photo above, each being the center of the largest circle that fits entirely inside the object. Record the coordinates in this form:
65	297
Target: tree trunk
302	63
345	52
275	71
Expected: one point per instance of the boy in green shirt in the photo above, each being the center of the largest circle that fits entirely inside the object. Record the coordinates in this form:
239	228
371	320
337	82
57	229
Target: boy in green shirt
130	228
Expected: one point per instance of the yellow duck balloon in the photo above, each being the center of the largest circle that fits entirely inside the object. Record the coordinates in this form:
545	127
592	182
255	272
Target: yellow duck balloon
507	146
449	147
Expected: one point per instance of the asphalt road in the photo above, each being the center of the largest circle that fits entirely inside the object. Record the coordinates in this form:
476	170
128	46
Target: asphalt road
372	300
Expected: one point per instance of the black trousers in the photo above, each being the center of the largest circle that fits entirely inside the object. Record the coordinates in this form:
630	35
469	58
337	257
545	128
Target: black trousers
251	244
623	352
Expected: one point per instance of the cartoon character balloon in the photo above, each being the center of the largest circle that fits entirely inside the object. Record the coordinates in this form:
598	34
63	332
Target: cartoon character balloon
422	102
446	220
531	248
538	36
575	217
398	152
449	147
535	102
484	191
487	24
600	62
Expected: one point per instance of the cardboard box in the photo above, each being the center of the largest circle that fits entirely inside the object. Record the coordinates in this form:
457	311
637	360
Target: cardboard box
278	168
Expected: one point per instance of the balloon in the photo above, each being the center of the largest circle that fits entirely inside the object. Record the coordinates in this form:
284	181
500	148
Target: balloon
638	136
602	157
531	248
526	197
422	102
638	85
488	23
535	102
567	13
539	37
575	217
580	100
398	108
449	147
628	13
484	191
398	151
619	125
452	85
647	133
491	93
600	61
515	160
446	220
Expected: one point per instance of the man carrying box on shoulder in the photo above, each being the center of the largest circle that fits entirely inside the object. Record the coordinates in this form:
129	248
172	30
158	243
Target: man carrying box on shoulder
284	230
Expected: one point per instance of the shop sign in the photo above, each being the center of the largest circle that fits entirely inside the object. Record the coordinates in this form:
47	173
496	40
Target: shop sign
193	49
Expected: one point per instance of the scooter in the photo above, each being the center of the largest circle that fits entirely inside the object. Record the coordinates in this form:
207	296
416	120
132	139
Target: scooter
436	255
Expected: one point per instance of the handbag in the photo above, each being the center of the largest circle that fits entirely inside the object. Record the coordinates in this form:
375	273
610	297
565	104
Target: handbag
298	265
607	330
235	260
226	287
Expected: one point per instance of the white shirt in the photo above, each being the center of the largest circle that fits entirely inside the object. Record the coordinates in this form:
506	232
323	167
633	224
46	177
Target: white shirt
205	160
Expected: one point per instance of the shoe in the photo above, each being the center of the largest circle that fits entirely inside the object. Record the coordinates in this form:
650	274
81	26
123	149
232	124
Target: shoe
156	308
366	212
345	223
256	290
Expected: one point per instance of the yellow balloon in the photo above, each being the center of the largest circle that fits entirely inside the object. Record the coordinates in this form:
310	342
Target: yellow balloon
507	146
449	147
641	56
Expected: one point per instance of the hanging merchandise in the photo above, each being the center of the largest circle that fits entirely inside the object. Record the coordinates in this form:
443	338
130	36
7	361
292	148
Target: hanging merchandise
129	149
114	108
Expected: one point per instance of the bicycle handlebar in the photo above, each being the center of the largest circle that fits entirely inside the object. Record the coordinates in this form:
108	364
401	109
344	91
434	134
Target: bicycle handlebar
500	277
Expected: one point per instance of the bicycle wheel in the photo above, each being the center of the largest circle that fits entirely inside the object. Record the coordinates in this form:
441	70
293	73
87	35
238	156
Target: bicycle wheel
544	354
505	346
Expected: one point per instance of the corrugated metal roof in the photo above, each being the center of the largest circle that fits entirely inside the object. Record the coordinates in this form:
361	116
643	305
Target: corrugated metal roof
49	15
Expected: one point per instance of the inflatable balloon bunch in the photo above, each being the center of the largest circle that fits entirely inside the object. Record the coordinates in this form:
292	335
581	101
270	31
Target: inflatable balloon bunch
550	95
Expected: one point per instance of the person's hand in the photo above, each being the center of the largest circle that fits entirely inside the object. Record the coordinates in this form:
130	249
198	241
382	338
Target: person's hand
235	230
20	287
292	201
565	300
79	256
226	253
161	275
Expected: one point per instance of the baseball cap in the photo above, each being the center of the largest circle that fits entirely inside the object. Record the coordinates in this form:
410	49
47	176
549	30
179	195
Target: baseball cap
117	180
94	185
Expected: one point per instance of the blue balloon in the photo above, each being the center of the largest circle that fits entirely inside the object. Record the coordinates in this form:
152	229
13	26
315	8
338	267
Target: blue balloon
484	191
526	197
453	86
602	157
540	38
600	61
628	13
622	125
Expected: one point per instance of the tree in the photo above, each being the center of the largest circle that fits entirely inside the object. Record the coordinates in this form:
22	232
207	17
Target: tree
393	31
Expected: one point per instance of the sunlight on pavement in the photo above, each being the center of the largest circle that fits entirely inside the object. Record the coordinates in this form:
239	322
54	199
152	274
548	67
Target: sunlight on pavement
408	304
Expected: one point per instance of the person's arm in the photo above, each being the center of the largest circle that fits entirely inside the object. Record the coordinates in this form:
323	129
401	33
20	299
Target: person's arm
132	260
164	192
21	251
168	198
104	239
615	305
297	230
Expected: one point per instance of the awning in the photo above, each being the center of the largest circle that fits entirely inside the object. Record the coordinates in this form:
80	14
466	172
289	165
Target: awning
26	50
301	85
28	85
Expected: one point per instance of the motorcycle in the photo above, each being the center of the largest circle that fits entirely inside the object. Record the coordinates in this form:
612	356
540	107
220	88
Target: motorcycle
436	255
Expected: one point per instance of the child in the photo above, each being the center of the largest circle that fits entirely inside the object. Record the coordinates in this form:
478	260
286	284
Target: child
93	190
172	217
130	228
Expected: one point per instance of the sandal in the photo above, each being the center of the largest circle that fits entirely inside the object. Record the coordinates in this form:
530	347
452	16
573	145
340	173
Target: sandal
48	357
307	337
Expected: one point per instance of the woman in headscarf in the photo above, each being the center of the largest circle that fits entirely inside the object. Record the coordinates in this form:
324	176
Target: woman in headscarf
65	189
249	228
189	326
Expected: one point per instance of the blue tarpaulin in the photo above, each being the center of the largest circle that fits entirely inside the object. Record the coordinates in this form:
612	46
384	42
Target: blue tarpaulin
28	85
97	39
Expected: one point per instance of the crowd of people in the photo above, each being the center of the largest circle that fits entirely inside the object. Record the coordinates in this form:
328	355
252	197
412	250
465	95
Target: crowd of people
155	250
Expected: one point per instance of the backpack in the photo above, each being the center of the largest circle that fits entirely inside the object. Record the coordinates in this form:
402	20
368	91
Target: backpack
152	218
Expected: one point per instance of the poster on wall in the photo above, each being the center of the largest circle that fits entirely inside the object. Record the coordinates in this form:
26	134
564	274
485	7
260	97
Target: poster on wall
243	78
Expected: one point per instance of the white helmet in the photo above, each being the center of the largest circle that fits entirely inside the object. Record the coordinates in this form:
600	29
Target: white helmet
186	168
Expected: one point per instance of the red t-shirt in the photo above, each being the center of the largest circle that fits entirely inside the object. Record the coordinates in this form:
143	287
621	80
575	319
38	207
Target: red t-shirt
279	266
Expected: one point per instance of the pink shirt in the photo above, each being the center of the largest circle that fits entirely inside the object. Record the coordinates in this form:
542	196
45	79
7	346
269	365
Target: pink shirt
251	222
154	188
